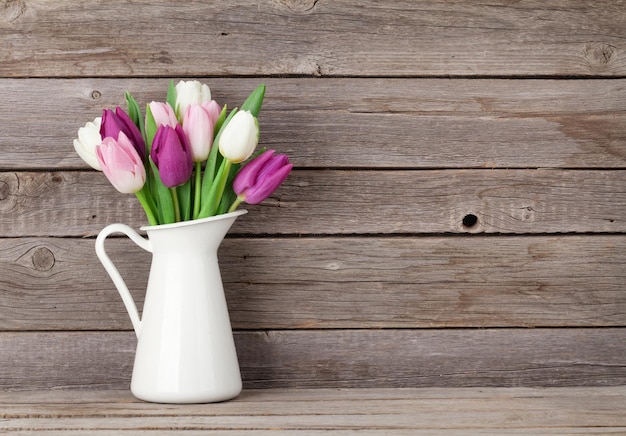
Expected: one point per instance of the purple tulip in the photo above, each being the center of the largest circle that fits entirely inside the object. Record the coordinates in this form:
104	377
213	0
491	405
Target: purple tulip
121	164
171	154
261	177
115	122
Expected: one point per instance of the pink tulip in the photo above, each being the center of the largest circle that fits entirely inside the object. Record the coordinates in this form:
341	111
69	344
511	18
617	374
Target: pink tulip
163	114
115	122
198	127
121	164
171	154
261	177
213	109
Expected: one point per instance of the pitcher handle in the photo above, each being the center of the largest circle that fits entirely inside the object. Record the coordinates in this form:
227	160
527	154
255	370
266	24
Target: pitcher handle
118	281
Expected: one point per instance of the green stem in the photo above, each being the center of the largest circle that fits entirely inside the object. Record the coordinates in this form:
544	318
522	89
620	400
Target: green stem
235	204
141	196
176	206
198	191
212	200
221	183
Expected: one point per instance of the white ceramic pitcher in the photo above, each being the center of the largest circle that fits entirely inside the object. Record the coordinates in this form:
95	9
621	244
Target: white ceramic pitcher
185	348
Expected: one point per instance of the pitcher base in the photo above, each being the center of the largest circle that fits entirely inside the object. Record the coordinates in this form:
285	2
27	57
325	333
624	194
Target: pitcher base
185	398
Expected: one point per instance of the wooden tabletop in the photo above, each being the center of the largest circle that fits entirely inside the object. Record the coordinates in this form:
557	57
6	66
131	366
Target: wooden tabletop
394	412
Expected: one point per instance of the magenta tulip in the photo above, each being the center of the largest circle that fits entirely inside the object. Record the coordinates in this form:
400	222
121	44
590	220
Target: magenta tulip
115	122
261	177
121	164
171	154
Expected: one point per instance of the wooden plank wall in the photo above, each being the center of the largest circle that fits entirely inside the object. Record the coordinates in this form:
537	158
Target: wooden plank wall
406	120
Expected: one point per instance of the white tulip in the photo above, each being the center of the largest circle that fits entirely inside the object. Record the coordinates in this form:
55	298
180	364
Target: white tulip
88	139
190	92
240	137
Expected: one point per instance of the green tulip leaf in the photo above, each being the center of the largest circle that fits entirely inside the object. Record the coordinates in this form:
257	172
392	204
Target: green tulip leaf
148	205
184	200
220	121
254	101
164	198
134	113
151	128
171	97
229	196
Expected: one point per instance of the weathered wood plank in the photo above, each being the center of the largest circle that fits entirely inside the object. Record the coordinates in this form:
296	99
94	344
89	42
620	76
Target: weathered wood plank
339	431
315	412
408	123
342	432
345	202
312	283
151	38
336	431
339	358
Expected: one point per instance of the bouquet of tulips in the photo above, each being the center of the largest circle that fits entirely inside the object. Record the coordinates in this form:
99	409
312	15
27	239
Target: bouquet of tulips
187	158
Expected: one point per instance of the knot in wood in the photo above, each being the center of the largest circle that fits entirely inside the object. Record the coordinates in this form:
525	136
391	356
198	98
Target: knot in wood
300	5
43	259
12	9
9	191
599	53
4	190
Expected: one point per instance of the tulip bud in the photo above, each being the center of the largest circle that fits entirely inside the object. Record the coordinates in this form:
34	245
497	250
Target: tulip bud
198	127
172	155
191	92
121	164
240	137
213	109
88	138
115	122
163	114
261	177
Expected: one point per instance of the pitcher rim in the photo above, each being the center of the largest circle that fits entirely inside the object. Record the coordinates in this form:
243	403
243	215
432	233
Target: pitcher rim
198	221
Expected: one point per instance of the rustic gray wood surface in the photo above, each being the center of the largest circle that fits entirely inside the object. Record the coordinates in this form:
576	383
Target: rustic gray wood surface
546	411
433	282
350	358
346	202
357	122
312	38
403	119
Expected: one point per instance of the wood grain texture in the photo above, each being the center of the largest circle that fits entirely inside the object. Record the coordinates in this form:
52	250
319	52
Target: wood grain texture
312	38
404	120
313	283
355	123
344	202
426	411
339	358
